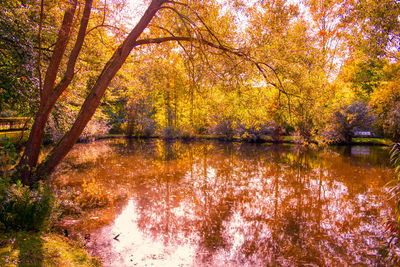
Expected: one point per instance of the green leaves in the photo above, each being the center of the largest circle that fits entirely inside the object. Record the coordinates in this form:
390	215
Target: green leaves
393	226
395	158
17	60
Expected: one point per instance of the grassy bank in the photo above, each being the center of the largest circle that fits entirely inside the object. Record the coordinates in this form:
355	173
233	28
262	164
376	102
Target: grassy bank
13	137
372	141
38	249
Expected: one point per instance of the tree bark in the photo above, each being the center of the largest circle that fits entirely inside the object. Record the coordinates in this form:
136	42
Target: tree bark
51	92
132	118
32	149
93	100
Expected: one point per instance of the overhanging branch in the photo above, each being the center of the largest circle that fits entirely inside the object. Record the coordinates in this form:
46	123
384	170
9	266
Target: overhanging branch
219	46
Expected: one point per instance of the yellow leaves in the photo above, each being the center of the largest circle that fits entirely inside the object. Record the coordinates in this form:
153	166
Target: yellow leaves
349	117
327	34
384	96
246	135
238	4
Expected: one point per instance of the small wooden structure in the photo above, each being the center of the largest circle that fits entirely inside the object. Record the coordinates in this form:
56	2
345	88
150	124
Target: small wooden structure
14	124
363	133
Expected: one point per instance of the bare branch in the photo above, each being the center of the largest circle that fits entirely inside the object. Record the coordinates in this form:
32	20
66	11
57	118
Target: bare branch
103	23
199	18
179	14
226	49
105	26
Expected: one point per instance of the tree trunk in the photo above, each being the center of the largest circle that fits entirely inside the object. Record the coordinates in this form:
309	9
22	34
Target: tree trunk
132	120
50	93
348	138
93	100
30	157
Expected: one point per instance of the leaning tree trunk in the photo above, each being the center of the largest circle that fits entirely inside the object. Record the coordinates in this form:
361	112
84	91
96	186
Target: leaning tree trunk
93	100
50	97
30	157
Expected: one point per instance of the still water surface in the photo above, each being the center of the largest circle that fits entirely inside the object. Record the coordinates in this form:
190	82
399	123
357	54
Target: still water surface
230	204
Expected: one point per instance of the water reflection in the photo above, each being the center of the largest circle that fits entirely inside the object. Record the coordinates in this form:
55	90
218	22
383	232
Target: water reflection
217	204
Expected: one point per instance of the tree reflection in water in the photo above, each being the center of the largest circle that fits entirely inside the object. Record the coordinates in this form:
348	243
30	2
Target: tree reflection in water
211	203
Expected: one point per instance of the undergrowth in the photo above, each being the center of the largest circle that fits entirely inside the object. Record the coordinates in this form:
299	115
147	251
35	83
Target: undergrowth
391	250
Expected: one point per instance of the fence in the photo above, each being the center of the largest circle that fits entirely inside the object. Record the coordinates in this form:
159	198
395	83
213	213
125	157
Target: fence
14	124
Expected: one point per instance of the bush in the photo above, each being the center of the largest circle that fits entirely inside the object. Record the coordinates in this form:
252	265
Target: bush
93	130
22	208
394	121
187	132
224	127
253	132
60	122
147	127
141	121
277	132
141	127
8	158
347	120
170	132
391	251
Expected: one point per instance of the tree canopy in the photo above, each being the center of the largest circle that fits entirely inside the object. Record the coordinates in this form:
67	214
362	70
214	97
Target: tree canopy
185	68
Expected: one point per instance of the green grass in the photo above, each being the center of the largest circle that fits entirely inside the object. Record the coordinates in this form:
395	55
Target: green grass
292	139
373	140
38	249
14	137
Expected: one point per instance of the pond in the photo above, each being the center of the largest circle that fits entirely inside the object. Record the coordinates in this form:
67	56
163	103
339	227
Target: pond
209	203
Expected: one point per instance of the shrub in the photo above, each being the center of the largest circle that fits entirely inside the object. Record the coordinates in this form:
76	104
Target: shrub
277	132
253	132
93	130
304	132
347	120
187	132
65	204
8	158
141	127
141	121
170	132
147	127
22	208
59	122
394	121
391	252
224	127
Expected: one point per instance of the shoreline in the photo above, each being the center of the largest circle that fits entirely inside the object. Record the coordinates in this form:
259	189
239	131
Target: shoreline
359	141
